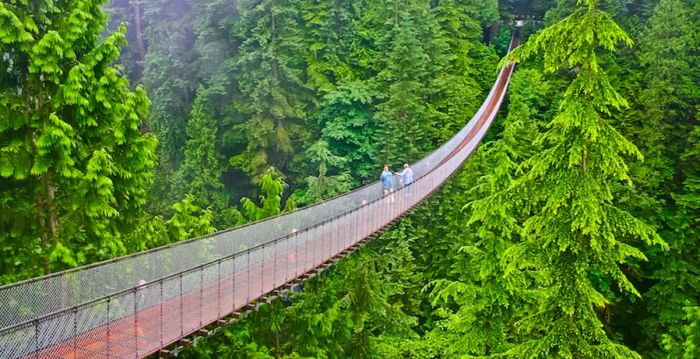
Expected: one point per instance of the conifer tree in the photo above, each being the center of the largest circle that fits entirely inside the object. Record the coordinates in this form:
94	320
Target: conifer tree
272	186
214	22
454	90
74	165
666	128
348	125
489	302
689	346
665	101
575	231
200	174
402	116
677	273
188	221
325	185
326	25
270	81
170	75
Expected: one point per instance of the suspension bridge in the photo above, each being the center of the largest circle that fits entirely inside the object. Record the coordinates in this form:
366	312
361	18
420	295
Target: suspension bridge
141	304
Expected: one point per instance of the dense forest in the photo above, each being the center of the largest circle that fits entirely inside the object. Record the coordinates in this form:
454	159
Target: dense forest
572	232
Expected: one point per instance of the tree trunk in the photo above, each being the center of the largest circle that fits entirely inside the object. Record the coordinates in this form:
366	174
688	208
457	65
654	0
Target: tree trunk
44	234
47	208
140	45
492	32
137	72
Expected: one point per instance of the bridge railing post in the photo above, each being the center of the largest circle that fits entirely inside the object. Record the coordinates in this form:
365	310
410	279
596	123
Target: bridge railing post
247	282
181	316
74	312
275	251
233	283
373	213
218	289
161	284
355	230
329	239
109	315
136	322
263	273
292	262
35	325
339	233
315	245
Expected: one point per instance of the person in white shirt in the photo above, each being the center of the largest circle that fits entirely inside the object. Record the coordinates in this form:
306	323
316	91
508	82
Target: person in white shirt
406	177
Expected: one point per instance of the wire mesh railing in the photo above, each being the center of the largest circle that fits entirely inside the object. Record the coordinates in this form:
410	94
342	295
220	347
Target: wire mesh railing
133	306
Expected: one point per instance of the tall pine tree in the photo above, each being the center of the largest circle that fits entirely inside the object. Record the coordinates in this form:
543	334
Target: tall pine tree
402	116
575	232
488	300
270	74
201	173
668	129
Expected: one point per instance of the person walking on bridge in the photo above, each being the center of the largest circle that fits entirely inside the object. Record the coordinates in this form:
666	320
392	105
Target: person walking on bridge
406	177
387	179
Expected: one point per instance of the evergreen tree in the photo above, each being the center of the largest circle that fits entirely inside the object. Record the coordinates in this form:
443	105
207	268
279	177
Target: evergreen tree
327	23
402	116
214	23
324	186
188	221
348	126
575	232
200	174
454	90
272	185
666	99
689	347
270	81
74	165
664	126
170	75
489	302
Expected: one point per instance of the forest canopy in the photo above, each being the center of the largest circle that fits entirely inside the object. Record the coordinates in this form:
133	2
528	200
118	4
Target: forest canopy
571	232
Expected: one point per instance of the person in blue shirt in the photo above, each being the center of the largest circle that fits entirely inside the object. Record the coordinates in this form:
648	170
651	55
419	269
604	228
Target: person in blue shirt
406	177
387	179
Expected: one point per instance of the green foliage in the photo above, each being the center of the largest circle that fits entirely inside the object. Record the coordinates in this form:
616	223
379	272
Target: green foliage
540	261
270	81
574	228
689	347
348	126
663	123
201	172
272	185
488	301
324	186
338	315
171	77
456	51
75	166
327	45
402	115
189	221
